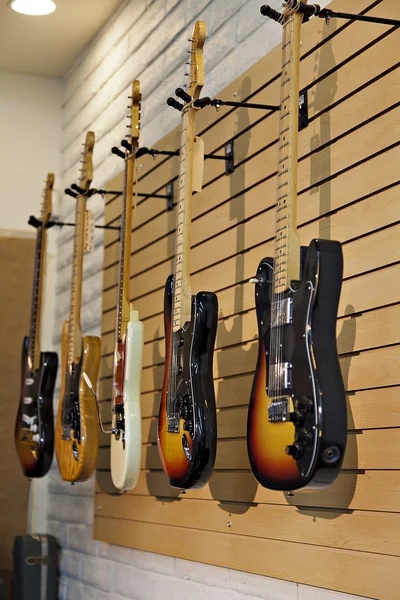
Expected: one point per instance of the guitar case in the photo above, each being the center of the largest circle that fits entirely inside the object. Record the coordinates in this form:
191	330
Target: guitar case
35	567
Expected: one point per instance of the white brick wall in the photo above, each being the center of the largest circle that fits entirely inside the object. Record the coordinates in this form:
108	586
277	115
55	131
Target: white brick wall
146	39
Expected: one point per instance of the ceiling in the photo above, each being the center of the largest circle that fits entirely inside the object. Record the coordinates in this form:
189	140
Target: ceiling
49	45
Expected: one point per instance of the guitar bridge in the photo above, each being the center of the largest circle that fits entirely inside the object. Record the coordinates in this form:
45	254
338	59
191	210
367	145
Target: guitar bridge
279	410
66	432
173	423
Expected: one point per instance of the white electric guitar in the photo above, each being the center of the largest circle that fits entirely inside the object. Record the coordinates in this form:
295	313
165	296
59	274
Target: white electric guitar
126	439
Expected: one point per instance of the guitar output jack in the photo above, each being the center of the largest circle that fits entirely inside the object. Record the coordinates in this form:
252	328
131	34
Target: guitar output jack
331	455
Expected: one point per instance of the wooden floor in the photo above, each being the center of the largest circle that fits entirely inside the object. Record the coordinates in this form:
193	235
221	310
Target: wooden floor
344	538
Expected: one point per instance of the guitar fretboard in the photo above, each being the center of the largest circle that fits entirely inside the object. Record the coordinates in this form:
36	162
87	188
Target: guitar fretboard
33	349
287	245
122	262
74	336
182	293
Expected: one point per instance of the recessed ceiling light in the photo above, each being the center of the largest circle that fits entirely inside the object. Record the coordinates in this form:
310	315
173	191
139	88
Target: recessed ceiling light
33	7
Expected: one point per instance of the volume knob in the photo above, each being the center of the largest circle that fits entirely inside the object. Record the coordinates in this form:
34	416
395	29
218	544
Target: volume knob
295	450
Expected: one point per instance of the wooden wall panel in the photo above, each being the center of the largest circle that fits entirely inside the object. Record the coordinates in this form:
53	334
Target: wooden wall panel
16	267
345	537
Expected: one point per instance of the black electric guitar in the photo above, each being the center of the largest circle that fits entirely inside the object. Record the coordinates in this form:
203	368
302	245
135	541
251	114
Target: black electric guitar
297	416
34	428
187	429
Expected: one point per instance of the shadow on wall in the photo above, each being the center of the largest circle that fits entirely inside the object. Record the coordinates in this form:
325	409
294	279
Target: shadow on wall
340	494
247	484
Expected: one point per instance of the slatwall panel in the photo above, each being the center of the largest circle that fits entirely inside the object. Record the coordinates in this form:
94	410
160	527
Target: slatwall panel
346	537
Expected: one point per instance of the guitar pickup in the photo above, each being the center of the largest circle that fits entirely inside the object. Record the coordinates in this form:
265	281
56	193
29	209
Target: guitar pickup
280	378
173	423
282	312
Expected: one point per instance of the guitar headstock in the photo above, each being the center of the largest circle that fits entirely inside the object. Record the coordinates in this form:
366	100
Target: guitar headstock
136	98
292	7
46	206
196	60
87	162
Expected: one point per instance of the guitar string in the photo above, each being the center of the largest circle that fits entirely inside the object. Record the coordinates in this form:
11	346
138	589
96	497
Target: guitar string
276	345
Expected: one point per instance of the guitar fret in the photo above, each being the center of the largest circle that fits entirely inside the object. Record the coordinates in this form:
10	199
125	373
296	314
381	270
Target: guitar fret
283	184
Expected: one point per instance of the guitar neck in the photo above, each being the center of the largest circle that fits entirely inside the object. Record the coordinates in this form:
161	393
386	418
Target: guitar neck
287	243
74	325
182	291
34	330
123	307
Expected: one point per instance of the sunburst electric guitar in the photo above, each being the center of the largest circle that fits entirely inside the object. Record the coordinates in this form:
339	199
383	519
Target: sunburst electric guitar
187	421
34	428
297	416
126	440
77	422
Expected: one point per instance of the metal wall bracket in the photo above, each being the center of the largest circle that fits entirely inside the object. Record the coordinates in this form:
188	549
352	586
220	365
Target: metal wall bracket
230	157
217	103
328	14
170	195
36	223
303	110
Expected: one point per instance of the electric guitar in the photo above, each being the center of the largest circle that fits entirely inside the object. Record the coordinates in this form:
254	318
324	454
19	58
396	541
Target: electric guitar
187	429
126	440
77	423
296	430
34	428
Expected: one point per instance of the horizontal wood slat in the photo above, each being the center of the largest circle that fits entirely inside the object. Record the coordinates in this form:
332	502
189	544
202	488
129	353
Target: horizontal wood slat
344	537
343	570
341	530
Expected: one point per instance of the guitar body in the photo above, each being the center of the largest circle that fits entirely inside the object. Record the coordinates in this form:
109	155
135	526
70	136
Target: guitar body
187	442
126	446
34	427
77	456
314	424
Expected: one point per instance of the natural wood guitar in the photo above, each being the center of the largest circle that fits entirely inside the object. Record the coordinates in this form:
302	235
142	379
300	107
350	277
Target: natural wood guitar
297	416
187	429
77	423
126	442
34	428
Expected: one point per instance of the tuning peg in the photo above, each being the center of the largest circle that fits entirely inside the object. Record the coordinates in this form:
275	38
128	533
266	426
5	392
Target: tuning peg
174	104
125	144
141	152
183	95
70	193
34	222
202	102
267	11
78	189
118	152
